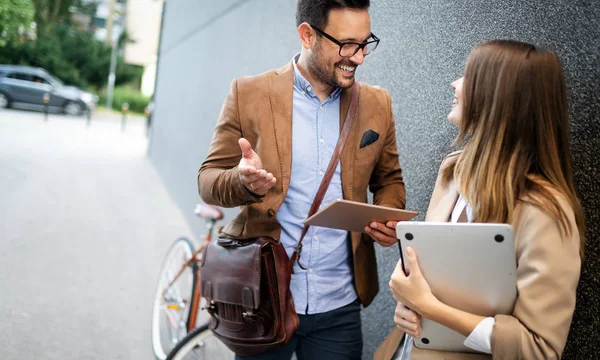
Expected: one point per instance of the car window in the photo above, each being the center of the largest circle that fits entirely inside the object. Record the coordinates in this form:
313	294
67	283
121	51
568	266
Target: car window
39	80
20	76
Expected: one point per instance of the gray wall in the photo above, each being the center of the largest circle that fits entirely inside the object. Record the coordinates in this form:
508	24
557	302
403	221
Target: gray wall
205	44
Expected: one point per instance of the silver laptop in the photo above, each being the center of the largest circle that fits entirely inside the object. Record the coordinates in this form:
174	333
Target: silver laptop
468	266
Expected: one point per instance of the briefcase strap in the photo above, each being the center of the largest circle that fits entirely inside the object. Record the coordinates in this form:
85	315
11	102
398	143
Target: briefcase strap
335	158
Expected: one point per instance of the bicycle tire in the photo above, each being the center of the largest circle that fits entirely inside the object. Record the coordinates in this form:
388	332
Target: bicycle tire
180	251
203	345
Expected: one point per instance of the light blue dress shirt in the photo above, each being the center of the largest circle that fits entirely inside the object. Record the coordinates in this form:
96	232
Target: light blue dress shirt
328	282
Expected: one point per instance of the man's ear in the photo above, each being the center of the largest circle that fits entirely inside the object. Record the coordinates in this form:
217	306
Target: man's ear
307	35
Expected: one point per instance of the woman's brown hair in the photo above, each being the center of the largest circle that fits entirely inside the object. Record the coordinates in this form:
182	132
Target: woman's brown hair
515	116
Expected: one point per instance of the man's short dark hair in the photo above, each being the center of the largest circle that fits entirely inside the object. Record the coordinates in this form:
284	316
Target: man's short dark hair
316	12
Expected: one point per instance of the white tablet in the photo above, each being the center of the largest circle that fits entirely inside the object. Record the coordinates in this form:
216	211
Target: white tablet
468	266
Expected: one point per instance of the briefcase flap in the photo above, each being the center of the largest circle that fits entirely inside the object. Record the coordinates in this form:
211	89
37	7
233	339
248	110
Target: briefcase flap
231	271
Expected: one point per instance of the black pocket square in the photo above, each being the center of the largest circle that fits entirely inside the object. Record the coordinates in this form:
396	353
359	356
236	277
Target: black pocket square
368	138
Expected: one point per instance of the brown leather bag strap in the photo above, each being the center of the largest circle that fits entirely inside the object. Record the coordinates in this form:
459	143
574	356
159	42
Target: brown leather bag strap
335	158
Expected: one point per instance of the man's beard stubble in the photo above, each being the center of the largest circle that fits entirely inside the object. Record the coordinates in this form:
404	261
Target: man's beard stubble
318	69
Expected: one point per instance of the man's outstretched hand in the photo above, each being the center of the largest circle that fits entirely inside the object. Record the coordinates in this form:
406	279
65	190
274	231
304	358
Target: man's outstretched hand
252	175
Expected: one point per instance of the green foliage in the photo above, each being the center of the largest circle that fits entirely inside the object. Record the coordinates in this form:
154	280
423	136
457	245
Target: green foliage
75	57
127	74
123	94
15	16
86	6
49	12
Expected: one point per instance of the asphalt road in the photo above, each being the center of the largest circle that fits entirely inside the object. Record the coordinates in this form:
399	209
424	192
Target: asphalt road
84	223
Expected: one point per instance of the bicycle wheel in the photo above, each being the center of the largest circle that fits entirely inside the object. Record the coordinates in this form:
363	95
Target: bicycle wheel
201	344
171	309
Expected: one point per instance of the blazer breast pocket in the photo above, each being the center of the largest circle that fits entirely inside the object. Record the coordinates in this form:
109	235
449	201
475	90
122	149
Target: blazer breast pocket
368	138
369	147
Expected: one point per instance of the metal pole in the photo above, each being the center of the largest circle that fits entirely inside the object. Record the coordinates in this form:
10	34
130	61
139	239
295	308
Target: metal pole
46	101
148	113
111	76
89	115
124	110
110	21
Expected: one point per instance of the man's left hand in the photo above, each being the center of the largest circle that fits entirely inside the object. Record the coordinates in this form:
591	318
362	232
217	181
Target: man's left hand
383	234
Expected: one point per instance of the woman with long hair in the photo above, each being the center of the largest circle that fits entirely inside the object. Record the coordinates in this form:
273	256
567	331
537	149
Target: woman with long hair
515	168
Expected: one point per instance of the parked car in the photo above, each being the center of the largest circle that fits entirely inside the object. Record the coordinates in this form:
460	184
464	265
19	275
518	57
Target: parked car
26	86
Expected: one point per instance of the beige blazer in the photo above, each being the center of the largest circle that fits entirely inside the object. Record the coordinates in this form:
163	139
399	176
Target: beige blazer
548	267
259	108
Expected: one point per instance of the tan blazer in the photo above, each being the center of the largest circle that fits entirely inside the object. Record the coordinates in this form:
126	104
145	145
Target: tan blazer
259	108
548	267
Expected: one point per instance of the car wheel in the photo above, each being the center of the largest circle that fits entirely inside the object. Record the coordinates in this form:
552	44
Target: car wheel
72	108
4	101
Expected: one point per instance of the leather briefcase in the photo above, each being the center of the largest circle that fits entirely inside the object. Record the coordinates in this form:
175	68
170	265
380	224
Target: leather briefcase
249	300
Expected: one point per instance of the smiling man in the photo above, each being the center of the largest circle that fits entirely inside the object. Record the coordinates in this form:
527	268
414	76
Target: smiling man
273	141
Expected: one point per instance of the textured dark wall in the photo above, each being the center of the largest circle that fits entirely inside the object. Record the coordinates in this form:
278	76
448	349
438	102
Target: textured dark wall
424	46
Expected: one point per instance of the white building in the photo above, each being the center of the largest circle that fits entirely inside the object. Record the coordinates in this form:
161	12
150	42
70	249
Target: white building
143	26
98	24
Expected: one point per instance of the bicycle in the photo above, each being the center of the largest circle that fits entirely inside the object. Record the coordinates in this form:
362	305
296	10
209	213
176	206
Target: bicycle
180	323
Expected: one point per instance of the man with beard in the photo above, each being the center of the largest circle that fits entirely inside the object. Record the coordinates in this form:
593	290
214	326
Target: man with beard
272	144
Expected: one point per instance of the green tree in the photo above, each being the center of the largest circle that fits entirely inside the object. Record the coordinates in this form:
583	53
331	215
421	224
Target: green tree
49	12
75	57
16	17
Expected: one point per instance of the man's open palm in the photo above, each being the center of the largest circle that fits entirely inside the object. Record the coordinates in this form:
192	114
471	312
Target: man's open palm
252	175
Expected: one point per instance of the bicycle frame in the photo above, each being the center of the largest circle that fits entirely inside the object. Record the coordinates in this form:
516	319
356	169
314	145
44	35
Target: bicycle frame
193	261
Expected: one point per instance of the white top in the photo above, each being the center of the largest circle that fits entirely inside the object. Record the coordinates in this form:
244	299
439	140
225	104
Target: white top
480	339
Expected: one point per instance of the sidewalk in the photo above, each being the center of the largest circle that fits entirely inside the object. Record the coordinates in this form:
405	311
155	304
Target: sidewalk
84	224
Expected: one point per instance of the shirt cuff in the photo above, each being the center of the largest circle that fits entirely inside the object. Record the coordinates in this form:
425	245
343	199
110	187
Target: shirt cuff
480	339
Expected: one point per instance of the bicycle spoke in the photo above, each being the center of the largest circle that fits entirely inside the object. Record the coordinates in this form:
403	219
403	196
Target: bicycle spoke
171	305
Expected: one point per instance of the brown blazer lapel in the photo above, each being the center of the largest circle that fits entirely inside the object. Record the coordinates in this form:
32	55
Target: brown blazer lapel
347	159
281	87
281	90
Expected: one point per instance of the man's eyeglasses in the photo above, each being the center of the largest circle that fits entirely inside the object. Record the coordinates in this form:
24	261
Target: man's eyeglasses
349	49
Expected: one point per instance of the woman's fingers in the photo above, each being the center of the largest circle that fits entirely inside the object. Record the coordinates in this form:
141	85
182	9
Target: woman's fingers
407	320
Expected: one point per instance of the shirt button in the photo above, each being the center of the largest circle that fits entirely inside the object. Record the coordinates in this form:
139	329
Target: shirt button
321	173
321	141
310	270
308	88
316	237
